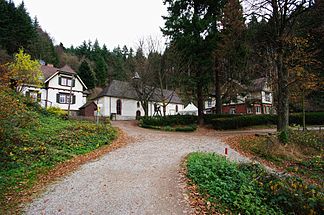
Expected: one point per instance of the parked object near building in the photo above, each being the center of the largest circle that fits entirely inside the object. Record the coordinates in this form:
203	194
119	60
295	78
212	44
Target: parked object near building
190	109
62	88
119	101
240	99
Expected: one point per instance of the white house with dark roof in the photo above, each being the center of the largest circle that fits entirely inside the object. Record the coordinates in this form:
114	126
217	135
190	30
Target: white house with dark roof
120	99
59	83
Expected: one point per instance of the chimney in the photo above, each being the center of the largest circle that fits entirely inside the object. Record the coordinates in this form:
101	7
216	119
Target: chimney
50	65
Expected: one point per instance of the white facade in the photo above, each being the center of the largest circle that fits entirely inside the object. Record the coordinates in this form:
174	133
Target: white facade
54	94
131	108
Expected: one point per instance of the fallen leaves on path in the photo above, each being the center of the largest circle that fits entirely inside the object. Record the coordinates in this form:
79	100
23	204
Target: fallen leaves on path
63	169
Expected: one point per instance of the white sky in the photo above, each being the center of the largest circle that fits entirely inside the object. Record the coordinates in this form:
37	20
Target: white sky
113	22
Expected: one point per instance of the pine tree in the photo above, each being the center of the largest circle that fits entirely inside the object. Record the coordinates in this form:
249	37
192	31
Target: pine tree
87	75
101	71
16	27
192	28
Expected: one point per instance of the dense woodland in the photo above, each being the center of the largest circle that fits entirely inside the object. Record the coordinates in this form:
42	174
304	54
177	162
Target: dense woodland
210	43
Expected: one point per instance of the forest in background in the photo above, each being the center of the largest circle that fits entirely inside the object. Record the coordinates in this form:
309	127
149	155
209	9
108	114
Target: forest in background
216	43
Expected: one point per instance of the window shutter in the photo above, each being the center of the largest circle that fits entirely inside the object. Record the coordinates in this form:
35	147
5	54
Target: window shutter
58	98
27	94
73	99
60	81
73	82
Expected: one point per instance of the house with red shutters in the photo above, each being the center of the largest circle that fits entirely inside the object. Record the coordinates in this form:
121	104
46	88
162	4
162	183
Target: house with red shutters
257	98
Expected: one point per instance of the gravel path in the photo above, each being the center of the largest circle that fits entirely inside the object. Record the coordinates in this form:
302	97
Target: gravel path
141	178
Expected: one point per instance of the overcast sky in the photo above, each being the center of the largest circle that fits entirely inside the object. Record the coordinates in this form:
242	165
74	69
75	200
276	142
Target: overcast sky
113	22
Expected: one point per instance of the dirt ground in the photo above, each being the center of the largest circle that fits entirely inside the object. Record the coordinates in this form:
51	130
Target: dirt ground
141	177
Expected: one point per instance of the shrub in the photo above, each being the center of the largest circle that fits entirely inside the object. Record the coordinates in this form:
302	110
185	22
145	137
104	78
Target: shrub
243	121
187	128
169	120
312	118
283	137
250	189
208	118
57	111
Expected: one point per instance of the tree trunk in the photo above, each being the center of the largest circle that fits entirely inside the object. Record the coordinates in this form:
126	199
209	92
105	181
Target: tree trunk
283	94
304	114
200	101
145	107
164	109
218	92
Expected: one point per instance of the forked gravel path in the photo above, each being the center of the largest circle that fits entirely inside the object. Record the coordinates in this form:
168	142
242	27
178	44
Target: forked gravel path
141	178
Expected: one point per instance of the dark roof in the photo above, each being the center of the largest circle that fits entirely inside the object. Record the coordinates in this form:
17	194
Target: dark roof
88	103
121	89
258	84
67	69
48	71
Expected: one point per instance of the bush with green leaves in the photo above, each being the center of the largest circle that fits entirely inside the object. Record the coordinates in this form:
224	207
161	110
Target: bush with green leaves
249	188
172	120
208	118
57	111
240	121
243	121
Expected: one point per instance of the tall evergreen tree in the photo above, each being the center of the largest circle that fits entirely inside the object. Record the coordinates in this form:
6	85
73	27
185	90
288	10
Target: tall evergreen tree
192	28
87	75
101	71
16	27
42	46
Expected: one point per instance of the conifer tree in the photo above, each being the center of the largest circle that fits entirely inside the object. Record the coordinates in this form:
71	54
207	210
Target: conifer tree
87	75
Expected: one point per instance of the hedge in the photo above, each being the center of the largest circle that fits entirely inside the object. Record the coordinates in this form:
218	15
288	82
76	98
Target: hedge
208	118
169	120
243	121
312	118
187	128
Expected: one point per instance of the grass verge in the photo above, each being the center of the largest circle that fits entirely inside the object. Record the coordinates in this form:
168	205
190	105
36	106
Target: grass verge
232	188
302	155
32	151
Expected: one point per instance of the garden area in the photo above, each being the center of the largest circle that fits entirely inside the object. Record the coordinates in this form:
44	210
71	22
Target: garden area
34	141
225	121
185	123
220	186
300	155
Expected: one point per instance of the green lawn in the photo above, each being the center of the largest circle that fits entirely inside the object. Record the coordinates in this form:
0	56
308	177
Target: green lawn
33	150
233	188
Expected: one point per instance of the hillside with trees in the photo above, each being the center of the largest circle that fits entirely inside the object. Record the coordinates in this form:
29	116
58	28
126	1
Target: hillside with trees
210	43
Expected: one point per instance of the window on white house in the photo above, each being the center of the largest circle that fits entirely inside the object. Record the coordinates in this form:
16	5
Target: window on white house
138	104
177	109
65	81
257	109
267	97
118	107
209	102
35	95
64	98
